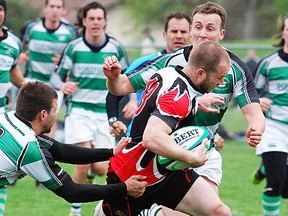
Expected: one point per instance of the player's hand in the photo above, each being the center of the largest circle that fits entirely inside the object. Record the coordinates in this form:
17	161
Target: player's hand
121	144
219	142
253	136
117	128
69	87
56	58
200	154
207	101
265	104
130	109
23	57
136	185
111	67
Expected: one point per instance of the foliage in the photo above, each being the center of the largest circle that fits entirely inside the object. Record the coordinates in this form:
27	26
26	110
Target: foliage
264	14
155	12
18	12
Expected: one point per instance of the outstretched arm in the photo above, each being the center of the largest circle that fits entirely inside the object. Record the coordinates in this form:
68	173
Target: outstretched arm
72	192
117	83
67	153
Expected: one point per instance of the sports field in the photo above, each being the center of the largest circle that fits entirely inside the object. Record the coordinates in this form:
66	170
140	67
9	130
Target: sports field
237	190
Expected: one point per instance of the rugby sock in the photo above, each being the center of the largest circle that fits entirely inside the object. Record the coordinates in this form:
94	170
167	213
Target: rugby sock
271	205
3	198
153	211
262	170
76	208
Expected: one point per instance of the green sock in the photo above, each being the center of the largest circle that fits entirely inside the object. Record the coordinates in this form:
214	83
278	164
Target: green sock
263	169
271	205
3	198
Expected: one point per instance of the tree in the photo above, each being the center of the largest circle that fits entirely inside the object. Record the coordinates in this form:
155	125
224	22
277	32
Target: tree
18	12
247	19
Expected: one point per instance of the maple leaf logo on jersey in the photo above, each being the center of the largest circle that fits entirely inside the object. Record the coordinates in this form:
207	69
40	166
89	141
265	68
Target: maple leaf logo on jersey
174	102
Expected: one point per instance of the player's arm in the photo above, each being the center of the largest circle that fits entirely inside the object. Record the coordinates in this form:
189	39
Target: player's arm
256	123
16	76
117	83
72	192
156	138
116	127
67	153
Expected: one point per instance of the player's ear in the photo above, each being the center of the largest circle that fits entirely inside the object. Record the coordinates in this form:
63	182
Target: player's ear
201	74
43	114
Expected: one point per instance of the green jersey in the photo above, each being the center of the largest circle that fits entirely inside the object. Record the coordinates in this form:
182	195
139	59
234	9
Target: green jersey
20	154
43	44
238	84
272	81
10	48
83	63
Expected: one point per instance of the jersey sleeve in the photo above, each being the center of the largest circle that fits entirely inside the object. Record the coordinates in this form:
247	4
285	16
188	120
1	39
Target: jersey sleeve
260	77
244	87
141	76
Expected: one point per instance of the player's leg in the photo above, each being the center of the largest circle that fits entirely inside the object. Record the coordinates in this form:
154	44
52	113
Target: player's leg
276	175
78	132
201	199
211	172
259	174
3	198
101	139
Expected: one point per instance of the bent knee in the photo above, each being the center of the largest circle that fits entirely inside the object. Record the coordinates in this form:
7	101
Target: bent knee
222	210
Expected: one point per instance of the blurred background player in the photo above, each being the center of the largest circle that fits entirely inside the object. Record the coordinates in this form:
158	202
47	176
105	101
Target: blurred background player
271	83
86	122
44	41
148	42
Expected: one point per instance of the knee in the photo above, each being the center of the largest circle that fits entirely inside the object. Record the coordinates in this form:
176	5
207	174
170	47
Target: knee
222	210
100	169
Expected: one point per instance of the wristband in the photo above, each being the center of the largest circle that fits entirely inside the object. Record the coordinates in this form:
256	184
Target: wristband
112	120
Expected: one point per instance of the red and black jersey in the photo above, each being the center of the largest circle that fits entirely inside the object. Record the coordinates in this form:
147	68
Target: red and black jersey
172	97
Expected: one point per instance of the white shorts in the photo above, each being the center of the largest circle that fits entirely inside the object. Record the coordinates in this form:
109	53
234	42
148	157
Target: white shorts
83	126
274	138
212	169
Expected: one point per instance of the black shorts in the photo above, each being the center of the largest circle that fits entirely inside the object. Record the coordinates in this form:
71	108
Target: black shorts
169	192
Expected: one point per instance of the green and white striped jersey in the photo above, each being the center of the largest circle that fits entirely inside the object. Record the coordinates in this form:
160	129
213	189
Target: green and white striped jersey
272	81
83	63
20	154
10	48
238	84
43	44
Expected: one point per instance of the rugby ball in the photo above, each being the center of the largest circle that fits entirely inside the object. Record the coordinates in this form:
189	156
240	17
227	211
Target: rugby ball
189	138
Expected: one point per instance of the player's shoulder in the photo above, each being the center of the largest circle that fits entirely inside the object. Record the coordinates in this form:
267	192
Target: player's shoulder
12	37
178	57
113	40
